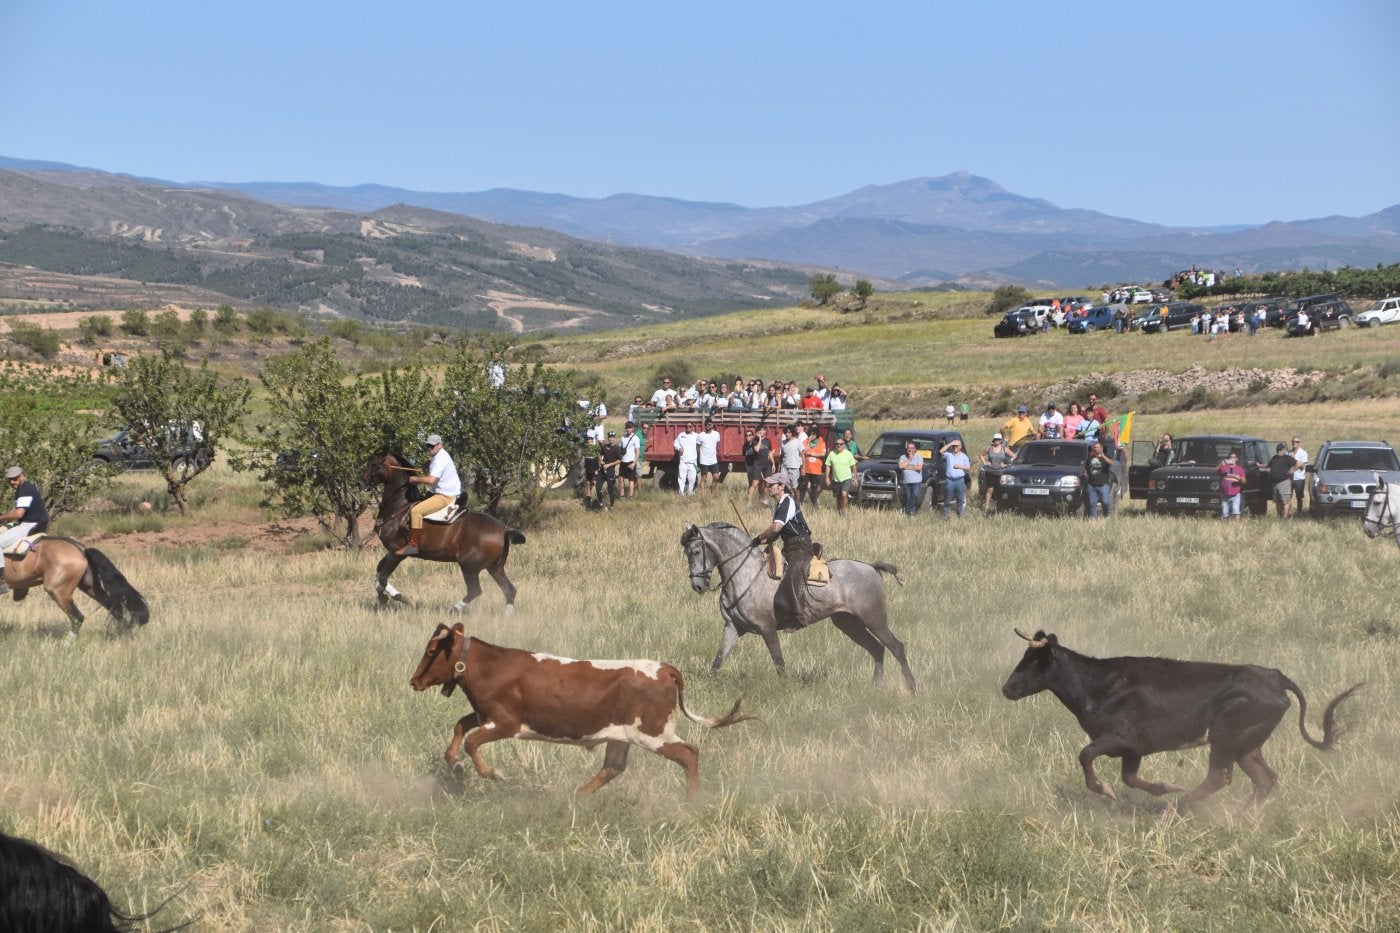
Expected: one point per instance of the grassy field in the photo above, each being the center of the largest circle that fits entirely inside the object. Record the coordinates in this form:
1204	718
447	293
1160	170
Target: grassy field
257	752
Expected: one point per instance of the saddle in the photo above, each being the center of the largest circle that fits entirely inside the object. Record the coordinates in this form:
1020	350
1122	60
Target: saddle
447	515
818	573
18	549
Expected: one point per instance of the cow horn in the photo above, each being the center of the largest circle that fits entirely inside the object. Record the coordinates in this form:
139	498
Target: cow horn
1022	634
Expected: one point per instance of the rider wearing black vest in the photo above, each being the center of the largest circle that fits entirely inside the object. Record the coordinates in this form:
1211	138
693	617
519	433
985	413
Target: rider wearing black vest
29	516
789	524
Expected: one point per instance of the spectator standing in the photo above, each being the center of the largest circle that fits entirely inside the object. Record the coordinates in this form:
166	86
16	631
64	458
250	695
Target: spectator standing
911	475
1300	475
1018	428
664	397
837	400
1231	486
687	446
1164	454
813	467
707	445
1052	423
592	459
1098	470
963	411
1281	466
950	413
810	402
996	457
1094	408
840	473
758	461
791	454
849	436
822	391
955	469
1074	420
609	459
631	458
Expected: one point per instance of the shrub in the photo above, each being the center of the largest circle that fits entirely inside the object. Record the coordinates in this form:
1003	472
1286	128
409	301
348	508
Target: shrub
41	340
94	329
136	323
226	320
1007	297
1103	388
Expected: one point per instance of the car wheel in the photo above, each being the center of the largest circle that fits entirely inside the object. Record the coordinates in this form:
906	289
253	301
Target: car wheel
1373	323
1343	322
1089	328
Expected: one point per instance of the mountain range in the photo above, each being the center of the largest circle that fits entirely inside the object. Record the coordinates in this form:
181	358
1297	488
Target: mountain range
483	256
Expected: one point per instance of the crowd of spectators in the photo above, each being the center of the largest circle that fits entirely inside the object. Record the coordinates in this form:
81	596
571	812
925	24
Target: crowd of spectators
740	395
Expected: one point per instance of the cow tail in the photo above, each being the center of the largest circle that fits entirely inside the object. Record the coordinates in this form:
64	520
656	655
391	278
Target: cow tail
728	719
890	569
1331	732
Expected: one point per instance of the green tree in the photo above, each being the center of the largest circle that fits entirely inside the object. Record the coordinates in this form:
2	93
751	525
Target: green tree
226	320
41	340
136	323
199	320
824	287
167	325
863	291
1007	297
325	426
94	329
514	437
181	415
42	431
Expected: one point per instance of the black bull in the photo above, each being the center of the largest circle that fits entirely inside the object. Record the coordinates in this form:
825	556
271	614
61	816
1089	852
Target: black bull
1131	707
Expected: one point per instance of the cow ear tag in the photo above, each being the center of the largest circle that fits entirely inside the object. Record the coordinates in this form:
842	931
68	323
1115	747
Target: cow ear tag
460	667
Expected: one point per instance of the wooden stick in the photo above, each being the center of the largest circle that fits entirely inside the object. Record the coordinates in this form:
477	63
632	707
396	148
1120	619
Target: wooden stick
739	516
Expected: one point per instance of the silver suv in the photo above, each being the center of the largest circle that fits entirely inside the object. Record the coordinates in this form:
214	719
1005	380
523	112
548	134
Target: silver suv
1345	474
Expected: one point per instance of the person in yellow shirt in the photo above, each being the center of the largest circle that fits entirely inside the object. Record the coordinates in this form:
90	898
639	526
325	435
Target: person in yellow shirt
1018	428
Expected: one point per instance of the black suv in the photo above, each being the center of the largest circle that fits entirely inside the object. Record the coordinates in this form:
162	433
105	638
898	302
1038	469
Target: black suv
1016	324
1332	314
1191	481
1047	476
878	476
122	451
1173	315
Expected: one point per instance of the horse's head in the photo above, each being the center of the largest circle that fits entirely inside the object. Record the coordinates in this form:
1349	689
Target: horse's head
1381	511
697	554
380	468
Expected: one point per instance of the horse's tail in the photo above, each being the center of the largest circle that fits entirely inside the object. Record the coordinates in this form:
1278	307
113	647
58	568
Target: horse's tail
114	591
514	536
890	569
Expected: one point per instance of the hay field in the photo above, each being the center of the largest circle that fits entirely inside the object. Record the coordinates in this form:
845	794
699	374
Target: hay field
257	753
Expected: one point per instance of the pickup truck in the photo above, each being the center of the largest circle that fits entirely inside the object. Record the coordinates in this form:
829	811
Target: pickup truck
878	476
1088	320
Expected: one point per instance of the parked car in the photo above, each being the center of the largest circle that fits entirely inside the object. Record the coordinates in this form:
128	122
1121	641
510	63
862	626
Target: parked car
1191	482
1047	476
1334	314
121	450
1016	323
878	476
1173	315
1384	311
1089	320
1345	473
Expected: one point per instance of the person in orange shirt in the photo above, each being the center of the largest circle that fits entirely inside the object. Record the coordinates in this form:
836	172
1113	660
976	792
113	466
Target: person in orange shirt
813	466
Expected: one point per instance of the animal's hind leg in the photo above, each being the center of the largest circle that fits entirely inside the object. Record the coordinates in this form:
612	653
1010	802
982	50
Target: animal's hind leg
1131	763
1218	773
880	628
473	580
1252	763
614	763
498	573
70	609
688	757
775	650
856	631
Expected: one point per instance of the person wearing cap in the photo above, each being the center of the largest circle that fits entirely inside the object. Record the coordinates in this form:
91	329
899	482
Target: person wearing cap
791	525
1281	466
609	458
444	484
29	516
955	469
996	457
810	400
1052	423
1018	428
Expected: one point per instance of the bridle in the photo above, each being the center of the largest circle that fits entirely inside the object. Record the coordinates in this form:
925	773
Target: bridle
1386	521
706	568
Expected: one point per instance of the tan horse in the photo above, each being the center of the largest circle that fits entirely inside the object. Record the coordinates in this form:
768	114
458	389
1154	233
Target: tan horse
474	542
62	565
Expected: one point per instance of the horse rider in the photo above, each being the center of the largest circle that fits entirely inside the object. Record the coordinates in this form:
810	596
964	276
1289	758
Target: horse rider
789	524
29	516
445	484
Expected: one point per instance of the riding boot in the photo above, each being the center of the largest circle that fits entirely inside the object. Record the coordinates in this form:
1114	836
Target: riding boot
411	548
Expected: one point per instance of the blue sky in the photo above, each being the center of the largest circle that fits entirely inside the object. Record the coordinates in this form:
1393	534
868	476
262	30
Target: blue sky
1181	113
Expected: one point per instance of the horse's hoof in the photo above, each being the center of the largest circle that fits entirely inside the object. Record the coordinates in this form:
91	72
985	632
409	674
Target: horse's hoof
70	637
510	610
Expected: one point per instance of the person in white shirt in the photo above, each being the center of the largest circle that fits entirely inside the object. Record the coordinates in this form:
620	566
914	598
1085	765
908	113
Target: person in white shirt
445	484
631	451
687	448
690	398
707	447
664	397
496	372
792	453
1052	423
1300	474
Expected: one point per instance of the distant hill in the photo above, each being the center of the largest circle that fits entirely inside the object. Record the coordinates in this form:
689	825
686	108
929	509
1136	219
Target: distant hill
957	227
65	234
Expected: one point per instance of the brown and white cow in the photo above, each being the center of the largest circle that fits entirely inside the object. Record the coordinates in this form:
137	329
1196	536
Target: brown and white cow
527	695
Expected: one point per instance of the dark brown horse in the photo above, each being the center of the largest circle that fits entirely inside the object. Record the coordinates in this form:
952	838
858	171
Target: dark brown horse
62	565
474	542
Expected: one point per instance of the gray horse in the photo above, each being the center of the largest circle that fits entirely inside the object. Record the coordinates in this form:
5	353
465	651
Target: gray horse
854	600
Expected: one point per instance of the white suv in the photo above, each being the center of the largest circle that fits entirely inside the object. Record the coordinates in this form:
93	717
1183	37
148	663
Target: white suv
1385	311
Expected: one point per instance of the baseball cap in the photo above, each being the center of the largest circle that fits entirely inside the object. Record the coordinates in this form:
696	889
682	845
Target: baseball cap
14	472
1276	448
612	434
782	479
432	440
996	437
1022	410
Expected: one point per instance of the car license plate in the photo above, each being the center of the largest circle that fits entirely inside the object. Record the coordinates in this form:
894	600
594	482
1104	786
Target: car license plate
1035	492
878	495
1358	503
1187	500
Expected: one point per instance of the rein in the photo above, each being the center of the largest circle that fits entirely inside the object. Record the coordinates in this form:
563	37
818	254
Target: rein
704	572
1386	522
